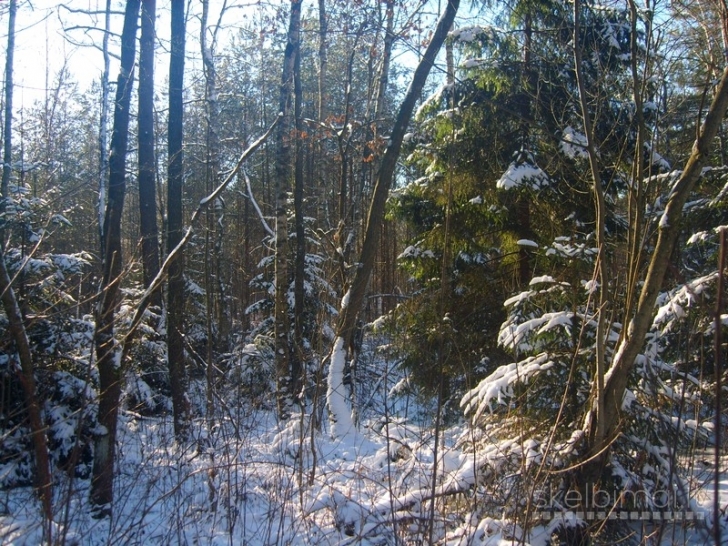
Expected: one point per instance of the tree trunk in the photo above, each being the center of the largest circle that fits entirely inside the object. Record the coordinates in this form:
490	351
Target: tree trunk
383	81
601	305
8	127
353	300
214	291
283	182
104	124
616	378
298	358
16	326
109	292
176	283
323	59
147	163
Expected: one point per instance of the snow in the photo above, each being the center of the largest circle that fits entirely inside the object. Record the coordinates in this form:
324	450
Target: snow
342	424
590	286
473	63
671	305
498	386
345	300
432	100
573	144
250	480
522	174
527	242
466	34
664	221
414	251
656	160
542	280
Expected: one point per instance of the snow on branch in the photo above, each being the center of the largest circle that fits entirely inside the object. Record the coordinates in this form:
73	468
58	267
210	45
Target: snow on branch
498	386
523	172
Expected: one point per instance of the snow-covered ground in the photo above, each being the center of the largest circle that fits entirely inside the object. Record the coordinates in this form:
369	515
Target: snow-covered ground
249	481
253	483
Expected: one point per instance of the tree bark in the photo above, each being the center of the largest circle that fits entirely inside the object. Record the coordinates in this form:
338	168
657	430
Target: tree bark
104	124
147	163
284	136
383	81
176	284
16	327
8	126
299	354
617	376
109	292
353	300
323	59
355	297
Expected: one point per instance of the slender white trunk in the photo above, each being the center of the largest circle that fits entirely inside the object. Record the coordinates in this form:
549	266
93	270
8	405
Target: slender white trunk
336	393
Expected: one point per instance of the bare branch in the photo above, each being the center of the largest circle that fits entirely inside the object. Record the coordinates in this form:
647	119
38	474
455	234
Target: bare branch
157	281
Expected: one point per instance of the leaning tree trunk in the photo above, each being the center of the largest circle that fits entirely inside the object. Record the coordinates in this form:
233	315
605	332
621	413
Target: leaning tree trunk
604	428
353	300
176	284
147	163
16	325
109	292
284	396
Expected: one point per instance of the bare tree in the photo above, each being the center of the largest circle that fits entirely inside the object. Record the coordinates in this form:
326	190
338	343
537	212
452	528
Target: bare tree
147	163
353	300
110	376
175	172
16	324
284	137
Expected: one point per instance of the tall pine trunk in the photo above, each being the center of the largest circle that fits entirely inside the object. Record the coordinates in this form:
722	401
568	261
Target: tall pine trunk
107	355
8	126
176	284
147	163
284	137
298	358
214	216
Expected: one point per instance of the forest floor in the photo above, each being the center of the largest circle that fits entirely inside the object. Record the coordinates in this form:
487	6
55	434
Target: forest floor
248	481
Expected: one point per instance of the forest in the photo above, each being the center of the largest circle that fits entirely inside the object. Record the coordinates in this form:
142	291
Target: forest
372	272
